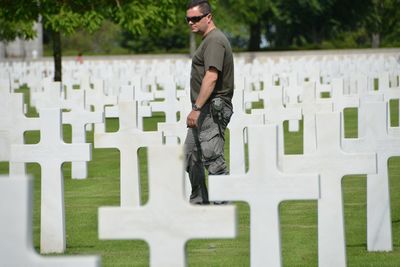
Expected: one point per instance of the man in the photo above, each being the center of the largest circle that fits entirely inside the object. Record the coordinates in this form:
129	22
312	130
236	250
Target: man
211	91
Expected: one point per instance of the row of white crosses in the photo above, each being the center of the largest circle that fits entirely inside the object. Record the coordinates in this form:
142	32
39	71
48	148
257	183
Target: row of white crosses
376	134
75	112
154	215
289	70
116	72
328	161
52	215
340	259
324	157
167	197
91	95
332	164
310	107
322	68
51	144
374	137
51	152
379	235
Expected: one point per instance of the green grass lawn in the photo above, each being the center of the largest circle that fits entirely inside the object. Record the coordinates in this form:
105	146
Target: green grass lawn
298	218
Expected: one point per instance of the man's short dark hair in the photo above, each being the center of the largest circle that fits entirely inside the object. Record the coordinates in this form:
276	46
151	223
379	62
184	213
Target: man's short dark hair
204	6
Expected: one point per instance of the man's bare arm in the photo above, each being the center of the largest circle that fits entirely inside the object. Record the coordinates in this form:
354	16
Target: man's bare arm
207	86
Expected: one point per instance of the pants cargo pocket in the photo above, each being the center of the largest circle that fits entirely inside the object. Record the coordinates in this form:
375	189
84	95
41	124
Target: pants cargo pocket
212	145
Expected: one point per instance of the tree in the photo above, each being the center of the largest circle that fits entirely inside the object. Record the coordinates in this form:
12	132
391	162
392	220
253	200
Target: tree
68	16
105	40
172	38
383	21
252	13
300	22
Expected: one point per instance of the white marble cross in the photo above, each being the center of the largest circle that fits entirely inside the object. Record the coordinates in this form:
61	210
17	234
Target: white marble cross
249	97
291	99
168	221
275	111
51	152
264	187
78	117
332	164
112	111
16	244
341	100
292	95
13	125
128	140
363	88
310	106
50	97
130	93
143	97
99	100
175	132
170	105
240	120
376	139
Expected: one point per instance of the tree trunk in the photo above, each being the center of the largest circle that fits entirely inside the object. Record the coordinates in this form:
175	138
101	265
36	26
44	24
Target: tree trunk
376	40
255	37
57	56
192	44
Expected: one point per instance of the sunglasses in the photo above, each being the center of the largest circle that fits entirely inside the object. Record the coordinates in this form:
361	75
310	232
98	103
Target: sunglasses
195	19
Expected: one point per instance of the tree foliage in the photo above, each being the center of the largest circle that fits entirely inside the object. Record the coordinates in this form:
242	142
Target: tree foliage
383	21
105	40
313	23
173	35
158	25
60	16
252	13
14	22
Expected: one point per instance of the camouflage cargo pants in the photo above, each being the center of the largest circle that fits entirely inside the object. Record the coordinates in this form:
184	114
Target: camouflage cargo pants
204	149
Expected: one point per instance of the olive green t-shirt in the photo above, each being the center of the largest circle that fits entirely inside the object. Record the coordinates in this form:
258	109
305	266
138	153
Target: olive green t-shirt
214	51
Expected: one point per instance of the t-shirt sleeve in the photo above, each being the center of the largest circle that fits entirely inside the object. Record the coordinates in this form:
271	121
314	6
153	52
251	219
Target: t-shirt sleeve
214	55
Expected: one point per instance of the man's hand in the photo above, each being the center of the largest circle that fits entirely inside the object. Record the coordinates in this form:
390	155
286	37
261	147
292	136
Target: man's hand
191	120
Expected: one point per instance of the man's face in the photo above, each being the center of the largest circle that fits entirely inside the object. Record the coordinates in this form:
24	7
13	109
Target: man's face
195	22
